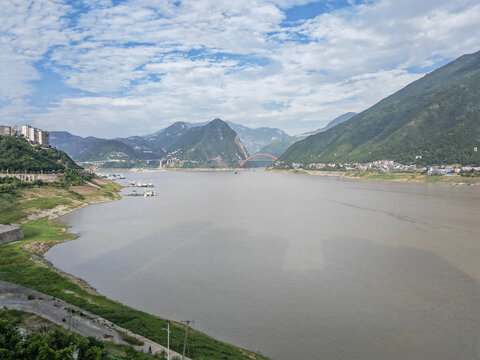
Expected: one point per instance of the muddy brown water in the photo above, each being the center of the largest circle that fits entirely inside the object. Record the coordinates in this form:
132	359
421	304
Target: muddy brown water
296	267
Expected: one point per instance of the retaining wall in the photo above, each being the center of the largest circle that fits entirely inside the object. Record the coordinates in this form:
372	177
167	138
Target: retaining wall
10	233
33	177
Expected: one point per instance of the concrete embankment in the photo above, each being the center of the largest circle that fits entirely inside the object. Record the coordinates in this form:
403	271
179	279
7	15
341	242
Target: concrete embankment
10	234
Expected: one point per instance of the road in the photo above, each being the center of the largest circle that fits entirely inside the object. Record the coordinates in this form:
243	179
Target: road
72	318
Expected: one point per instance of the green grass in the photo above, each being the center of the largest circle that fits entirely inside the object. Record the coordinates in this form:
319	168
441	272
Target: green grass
369	175
16	266
124	352
130	339
19	318
111	191
10	212
48	203
13	206
75	195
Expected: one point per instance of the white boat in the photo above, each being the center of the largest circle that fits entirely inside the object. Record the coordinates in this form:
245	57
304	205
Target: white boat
149	193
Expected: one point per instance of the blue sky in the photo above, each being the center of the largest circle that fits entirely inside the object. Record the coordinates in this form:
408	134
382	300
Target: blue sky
117	68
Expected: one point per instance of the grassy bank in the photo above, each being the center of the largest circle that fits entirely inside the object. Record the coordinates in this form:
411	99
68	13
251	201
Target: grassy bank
22	263
402	177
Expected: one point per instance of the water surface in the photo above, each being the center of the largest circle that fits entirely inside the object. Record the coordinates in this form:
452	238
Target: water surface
297	267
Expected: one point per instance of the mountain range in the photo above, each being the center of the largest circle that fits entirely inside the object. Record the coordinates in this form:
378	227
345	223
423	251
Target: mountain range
252	138
214	144
434	120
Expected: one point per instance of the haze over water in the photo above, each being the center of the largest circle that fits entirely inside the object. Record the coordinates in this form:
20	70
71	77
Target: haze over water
297	267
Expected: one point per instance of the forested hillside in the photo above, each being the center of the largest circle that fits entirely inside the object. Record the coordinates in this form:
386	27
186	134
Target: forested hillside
436	118
17	155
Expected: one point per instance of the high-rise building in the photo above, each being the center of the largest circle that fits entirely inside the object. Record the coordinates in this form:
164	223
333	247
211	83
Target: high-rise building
26	131
36	136
8	130
44	138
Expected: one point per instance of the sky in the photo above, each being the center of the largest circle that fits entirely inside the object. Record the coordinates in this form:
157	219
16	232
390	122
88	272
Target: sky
113	68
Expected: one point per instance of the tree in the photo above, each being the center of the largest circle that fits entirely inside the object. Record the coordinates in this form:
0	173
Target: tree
10	341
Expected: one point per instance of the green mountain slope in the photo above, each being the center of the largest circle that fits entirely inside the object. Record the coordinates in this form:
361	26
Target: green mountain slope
157	145
92	148
252	138
71	144
167	140
214	145
336	121
278	147
17	155
436	117
106	150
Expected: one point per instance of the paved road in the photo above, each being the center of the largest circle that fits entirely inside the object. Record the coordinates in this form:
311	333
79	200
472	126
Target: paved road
70	317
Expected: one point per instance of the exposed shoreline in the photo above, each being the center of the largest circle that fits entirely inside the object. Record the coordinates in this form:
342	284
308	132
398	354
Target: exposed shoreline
140	170
410	177
38	249
391	177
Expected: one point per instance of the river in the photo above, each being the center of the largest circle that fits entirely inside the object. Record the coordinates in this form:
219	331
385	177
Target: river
294	266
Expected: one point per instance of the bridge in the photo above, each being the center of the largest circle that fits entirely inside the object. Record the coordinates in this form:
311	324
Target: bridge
251	157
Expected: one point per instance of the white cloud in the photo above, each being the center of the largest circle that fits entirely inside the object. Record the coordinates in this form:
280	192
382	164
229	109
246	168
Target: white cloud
27	31
148	63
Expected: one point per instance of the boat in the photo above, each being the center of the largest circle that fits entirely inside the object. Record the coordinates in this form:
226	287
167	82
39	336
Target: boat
149	193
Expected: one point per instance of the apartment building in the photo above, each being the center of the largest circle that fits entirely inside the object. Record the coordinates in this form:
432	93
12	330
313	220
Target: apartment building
36	136
8	130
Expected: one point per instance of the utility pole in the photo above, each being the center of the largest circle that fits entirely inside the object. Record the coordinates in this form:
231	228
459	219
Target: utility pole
168	339
71	322
187	322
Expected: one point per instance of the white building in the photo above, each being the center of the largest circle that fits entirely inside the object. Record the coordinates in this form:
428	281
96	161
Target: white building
8	130
36	136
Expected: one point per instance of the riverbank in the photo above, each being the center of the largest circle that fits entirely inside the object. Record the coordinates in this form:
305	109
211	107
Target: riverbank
415	177
22	263
136	170
69	317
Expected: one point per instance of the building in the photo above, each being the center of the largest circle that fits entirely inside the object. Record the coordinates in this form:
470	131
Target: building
44	138
8	130
36	136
